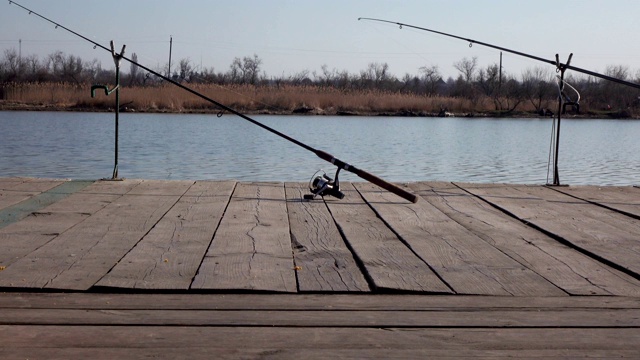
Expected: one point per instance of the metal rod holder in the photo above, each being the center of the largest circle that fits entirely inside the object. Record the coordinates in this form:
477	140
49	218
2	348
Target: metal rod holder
117	58
561	68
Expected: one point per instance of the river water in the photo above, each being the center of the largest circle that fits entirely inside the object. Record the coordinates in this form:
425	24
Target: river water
177	146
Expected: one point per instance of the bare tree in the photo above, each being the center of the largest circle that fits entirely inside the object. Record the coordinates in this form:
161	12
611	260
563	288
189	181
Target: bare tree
11	64
467	67
246	70
134	71
489	82
617	95
538	87
375	75
185	69
251	69
431	77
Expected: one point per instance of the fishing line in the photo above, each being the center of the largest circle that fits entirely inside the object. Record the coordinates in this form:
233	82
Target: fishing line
341	165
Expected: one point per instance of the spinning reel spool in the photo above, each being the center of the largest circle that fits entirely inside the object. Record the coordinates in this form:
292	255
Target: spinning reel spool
322	185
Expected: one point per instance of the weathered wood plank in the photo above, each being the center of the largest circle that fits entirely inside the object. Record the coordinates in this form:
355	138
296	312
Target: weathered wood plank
625	199
309	302
20	238
208	351
570	270
276	340
31	185
602	232
8	183
19	211
83	254
389	264
15	192
582	318
467	263
168	257
323	261
251	249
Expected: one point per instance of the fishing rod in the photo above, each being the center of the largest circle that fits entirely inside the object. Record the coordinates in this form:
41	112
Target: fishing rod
555	63
324	184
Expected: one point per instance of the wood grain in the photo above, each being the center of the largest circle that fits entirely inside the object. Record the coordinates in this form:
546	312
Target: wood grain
466	262
323	260
79	257
603	233
389	264
252	247
169	256
570	270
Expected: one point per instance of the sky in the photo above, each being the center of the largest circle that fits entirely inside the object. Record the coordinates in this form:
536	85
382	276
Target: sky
295	36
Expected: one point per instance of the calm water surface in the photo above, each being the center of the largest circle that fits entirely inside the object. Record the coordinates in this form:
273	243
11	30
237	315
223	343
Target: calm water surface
154	146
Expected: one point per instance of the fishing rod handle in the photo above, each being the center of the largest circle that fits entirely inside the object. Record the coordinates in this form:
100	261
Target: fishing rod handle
368	176
386	185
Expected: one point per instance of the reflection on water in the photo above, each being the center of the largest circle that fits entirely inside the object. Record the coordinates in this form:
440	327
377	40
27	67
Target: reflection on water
154	146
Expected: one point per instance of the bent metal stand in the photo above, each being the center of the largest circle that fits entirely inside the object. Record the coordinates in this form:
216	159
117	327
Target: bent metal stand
561	68
117	58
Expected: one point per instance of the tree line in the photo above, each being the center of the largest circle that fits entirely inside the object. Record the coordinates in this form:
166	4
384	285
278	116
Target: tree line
535	89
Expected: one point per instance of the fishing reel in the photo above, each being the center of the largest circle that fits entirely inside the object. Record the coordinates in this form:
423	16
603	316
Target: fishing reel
323	185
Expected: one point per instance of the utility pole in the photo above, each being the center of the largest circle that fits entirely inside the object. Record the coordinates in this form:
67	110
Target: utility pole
19	56
170	47
500	76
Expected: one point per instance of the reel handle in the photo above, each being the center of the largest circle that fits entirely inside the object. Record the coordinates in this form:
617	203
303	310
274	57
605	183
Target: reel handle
368	176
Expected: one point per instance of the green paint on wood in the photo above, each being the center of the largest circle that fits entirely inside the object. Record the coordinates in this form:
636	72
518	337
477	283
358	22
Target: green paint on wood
21	210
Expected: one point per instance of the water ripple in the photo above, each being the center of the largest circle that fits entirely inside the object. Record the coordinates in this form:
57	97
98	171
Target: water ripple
153	146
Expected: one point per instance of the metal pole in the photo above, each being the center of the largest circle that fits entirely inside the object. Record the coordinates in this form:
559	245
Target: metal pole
500	78
115	168
556	173
116	59
19	57
560	68
170	48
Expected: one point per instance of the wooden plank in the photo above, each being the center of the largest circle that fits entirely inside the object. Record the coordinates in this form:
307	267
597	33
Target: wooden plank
34	185
82	255
15	192
309	302
572	271
608	235
467	263
625	199
251	249
213	350
389	264
7	182
168	257
113	187
19	211
582	318
279	340
21	238
322	259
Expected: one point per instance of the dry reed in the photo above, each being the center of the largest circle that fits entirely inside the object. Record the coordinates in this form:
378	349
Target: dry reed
245	98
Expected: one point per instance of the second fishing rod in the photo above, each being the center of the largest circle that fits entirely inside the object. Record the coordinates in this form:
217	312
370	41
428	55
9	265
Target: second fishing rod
321	185
555	62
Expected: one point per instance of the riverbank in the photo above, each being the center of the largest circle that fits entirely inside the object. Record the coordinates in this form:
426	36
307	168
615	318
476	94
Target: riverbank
275	100
21	106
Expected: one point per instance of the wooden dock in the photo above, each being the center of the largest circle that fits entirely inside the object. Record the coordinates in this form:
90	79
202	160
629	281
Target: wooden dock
225	269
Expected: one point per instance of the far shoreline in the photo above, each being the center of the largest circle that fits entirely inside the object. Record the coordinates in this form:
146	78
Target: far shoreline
305	111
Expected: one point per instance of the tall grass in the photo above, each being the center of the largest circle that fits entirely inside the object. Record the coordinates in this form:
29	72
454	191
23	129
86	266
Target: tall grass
244	98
